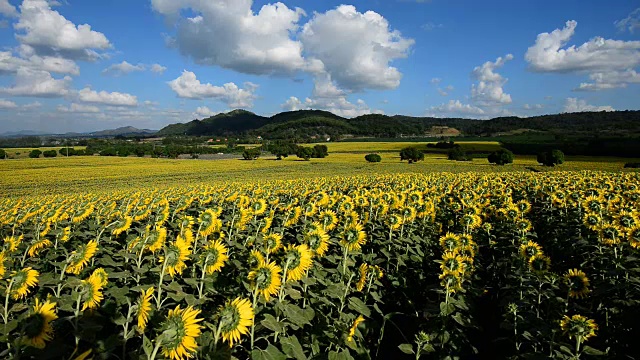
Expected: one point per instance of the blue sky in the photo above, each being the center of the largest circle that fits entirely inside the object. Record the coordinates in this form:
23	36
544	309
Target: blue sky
90	65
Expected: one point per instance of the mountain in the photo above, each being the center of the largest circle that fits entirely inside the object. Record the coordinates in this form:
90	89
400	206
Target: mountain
21	133
121	131
314	123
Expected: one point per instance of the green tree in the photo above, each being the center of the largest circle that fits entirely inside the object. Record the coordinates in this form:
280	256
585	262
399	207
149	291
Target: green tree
373	158
3	154
251	154
551	158
501	157
320	151
50	153
34	154
67	151
304	152
411	154
456	153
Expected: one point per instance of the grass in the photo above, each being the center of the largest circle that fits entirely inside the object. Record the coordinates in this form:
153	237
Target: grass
23	177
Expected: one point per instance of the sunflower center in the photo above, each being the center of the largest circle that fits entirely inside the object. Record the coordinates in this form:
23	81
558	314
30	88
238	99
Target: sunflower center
229	318
35	325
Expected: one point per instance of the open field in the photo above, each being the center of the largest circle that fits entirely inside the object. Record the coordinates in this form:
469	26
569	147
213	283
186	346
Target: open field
483	265
83	173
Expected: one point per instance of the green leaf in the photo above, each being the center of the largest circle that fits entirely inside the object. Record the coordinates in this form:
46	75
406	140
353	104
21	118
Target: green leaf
119	293
359	306
291	346
271	353
446	309
106	260
293	293
295	314
344	355
591	351
406	348
272	324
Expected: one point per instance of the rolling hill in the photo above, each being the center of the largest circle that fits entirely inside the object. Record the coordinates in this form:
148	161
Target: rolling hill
309	123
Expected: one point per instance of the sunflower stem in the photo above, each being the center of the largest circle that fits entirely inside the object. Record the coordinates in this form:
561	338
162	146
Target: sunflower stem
253	323
156	348
6	305
75	318
158	298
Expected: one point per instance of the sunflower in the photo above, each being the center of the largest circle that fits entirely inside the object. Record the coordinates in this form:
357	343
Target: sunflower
524	225
354	326
255	259
267	222
294	217
3	269
593	203
258	207
175	256
272	242
181	329
328	219
394	221
123	224
634	237
37	246
208	222
21	281
318	241
578	283
299	261
266	279
66	234
353	237
451	281
610	234
91	293
539	263
236	317
144	308
524	206
38	328
529	249
215	256
80	258
592	221
450	241
156	239
452	262
101	275
14	242
578	326
363	270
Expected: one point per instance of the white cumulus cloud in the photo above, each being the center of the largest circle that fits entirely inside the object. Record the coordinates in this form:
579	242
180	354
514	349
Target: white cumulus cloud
631	23
158	69
189	87
48	32
204	112
10	64
7	104
78	108
7	9
123	68
38	83
488	91
573	105
366	47
107	98
228	33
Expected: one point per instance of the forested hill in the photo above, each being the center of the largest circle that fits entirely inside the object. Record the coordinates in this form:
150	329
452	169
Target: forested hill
305	123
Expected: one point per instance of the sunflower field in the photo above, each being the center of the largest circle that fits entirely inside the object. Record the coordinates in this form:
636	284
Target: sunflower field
442	266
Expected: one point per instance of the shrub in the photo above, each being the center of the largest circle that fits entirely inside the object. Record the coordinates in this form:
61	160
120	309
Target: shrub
320	151
373	158
551	158
108	152
34	154
457	154
67	151
411	154
251	154
304	152
501	157
3	154
50	153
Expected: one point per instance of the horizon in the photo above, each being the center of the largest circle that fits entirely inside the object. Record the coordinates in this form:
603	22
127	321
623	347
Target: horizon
86	66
